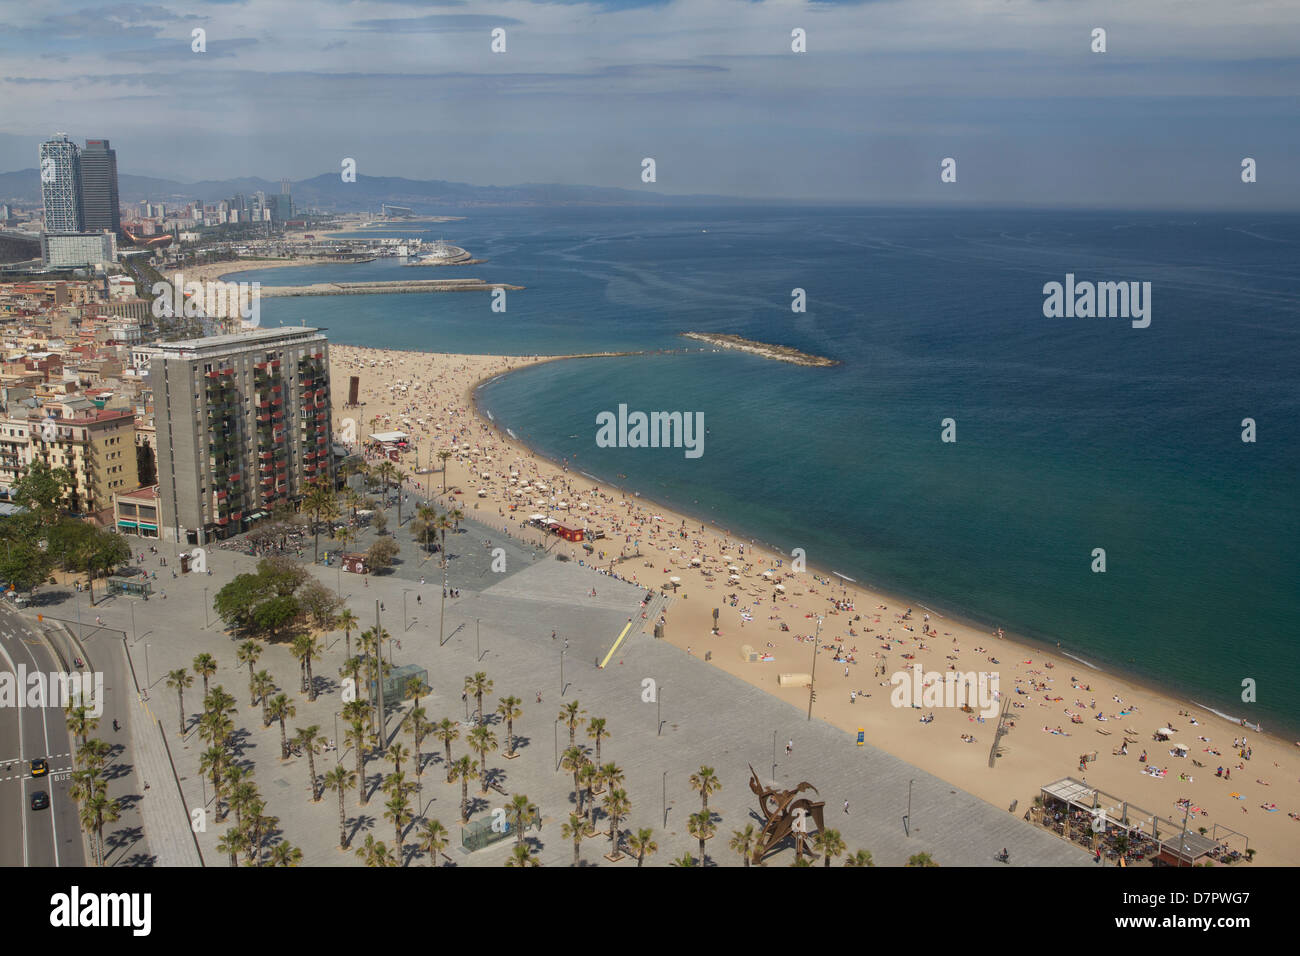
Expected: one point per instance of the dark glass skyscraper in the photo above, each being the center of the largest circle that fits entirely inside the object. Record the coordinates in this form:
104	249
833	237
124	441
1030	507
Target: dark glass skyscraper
99	201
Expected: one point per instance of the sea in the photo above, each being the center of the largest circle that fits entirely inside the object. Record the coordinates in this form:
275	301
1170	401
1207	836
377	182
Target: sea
1078	441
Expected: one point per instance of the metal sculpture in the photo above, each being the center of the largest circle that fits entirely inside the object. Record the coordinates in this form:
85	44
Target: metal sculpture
785	813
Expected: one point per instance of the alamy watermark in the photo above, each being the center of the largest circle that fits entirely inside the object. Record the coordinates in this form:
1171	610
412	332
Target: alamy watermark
918	688
653	430
208	299
54	689
1099	300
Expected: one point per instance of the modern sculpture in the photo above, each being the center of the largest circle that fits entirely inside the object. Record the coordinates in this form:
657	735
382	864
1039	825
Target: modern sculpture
783	814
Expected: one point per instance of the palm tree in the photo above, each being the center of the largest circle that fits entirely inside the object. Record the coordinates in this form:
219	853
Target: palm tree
464	771
684	860
395	784
611	775
213	761
248	653
341	779
522	855
219	702
433	840
376	853
282	708
322	506
595	731
830	844
305	648
575	830
308	738
520	811
398	811
232	843
744	841
920	859
446	731
80	721
206	665
86	783
860	858
510	709
243	799
357	737
478	685
617	806
285	853
415	689
701	826
482	741
642	844
426	517
420	729
398	754
263	684
349	622
706	782
571	714
588	776
180	679
102	810
215	728
443	455
93	754
351	669
574	759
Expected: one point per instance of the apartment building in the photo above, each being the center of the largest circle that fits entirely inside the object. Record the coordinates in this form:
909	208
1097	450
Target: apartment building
243	423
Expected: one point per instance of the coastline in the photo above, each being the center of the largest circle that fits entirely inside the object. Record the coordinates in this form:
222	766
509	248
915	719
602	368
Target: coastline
1032	757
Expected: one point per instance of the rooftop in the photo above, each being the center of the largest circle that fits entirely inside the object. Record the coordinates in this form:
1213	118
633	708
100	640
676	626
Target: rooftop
223	342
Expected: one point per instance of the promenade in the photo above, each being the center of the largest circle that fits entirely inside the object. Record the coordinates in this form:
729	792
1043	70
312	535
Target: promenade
502	625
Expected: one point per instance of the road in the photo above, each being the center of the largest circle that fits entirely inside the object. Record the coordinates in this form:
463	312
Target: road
50	837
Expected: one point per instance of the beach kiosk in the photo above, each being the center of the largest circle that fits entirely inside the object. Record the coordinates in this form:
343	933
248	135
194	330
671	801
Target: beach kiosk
355	562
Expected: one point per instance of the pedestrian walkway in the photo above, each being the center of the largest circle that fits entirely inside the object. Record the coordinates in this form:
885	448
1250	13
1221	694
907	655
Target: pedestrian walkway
166	818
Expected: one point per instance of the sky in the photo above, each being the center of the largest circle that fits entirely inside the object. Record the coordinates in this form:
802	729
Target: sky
710	89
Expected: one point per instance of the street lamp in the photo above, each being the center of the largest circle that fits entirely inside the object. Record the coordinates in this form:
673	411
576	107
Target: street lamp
907	820
812	683
379	680
562	684
148	681
659	697
665	798
774	756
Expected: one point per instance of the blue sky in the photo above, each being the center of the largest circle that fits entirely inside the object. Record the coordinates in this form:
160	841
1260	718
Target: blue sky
709	88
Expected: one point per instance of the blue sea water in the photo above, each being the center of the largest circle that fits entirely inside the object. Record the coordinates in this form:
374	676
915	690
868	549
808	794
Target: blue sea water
1072	434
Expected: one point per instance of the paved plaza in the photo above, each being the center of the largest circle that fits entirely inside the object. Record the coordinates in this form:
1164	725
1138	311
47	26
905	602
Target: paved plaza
502	624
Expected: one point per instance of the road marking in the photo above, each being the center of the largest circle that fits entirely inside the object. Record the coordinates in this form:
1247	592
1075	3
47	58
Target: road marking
622	634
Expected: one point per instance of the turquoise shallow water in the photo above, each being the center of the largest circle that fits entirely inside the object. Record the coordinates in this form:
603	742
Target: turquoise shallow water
1073	434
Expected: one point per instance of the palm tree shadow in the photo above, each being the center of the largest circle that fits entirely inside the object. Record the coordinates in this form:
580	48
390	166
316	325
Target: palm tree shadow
522	741
358	822
122	839
496	778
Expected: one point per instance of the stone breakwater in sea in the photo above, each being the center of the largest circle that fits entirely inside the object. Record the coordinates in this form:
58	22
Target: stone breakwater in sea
779	353
384	288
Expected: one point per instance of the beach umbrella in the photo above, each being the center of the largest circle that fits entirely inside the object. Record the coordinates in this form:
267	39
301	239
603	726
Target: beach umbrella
780	587
767	574
733	569
695	561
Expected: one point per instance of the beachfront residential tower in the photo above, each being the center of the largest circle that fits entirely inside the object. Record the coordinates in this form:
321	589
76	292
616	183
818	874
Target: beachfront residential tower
243	424
99	203
60	172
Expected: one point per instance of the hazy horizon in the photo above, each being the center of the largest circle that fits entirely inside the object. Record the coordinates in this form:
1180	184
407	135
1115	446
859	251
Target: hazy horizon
709	88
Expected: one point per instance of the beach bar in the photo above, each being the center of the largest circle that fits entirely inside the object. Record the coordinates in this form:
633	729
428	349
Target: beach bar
1097	820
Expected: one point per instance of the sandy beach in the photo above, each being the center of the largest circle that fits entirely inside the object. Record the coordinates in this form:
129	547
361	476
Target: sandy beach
1060	709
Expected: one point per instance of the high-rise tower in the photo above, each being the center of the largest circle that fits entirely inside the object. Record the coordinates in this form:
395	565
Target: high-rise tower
61	184
99	201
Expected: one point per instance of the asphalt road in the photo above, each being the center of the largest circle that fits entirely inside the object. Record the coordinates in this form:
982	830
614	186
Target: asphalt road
49	837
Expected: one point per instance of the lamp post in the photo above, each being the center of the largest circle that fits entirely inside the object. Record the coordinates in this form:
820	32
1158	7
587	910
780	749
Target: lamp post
337	752
659	697
774	756
812	684
135	635
907	820
379	680
665	798
562	684
148	681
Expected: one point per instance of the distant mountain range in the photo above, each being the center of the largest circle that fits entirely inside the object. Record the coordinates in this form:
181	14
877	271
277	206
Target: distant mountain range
328	191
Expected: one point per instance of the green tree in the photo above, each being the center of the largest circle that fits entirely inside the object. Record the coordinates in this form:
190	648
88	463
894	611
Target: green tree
275	614
180	679
263	685
860	858
433	840
478	685
595	731
205	665
744	841
443	455
348	622
642	844
522	855
572	715
482	741
381	554
701	826
305	649
510	709
706	782
321	504
248	653
41	491
464	771
520	811
446	731
308	740
282	708
830	844
920	859
616	806
575	830
573	760
420	728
